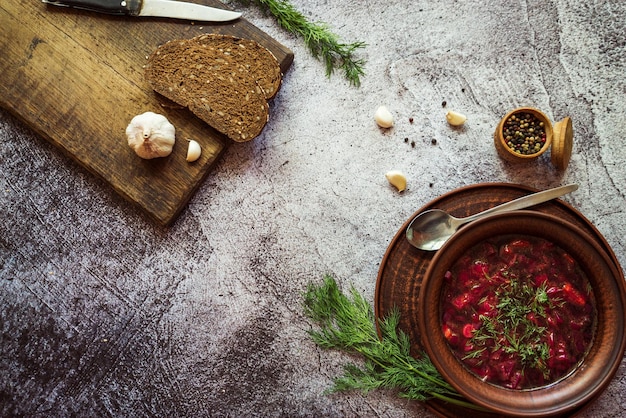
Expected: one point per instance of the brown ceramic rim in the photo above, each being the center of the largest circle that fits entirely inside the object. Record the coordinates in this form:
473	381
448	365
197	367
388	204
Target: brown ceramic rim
606	351
402	266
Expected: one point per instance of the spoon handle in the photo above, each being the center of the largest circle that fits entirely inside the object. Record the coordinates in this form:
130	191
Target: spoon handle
524	202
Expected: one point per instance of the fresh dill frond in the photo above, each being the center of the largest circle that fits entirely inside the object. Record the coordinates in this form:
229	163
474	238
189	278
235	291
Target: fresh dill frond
323	44
512	330
346	322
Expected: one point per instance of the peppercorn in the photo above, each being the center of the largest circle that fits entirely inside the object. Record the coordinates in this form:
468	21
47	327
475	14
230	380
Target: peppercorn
410	120
406	140
524	133
444	103
433	141
412	144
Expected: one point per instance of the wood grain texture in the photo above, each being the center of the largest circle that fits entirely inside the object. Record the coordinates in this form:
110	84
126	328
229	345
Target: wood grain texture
77	79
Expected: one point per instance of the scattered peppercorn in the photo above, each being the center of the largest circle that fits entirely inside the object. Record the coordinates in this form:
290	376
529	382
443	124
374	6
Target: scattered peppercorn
444	103
430	184
433	141
410	120
524	133
413	144
463	90
406	140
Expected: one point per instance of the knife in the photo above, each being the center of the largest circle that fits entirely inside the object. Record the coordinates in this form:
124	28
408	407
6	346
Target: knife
154	8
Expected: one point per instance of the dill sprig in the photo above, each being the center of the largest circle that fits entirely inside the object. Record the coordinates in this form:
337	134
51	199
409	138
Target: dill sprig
347	323
323	44
513	330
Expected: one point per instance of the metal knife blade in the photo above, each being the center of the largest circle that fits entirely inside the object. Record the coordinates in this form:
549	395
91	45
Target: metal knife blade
154	8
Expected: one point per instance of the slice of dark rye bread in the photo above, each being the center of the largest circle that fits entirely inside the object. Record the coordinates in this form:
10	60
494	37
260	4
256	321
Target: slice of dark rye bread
255	58
224	80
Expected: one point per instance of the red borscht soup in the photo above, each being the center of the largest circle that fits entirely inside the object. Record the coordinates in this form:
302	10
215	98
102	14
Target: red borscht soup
518	311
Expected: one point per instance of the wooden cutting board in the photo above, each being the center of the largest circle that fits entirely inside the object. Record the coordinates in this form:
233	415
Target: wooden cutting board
76	78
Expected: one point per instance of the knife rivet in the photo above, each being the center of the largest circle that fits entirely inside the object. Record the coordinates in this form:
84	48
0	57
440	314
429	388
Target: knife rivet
123	4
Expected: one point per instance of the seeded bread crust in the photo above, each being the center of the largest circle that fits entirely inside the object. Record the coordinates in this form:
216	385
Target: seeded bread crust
256	59
219	79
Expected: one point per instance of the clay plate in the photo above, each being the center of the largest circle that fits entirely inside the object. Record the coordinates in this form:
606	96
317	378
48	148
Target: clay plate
403	266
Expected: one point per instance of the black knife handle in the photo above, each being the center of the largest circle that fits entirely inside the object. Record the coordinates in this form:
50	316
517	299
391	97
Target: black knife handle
112	7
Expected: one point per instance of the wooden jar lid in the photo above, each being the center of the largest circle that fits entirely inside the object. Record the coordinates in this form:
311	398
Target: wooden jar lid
562	143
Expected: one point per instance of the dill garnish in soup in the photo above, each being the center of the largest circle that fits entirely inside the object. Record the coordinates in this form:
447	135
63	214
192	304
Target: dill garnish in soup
518	311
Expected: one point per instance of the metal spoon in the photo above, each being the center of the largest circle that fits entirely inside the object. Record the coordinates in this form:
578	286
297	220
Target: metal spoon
431	229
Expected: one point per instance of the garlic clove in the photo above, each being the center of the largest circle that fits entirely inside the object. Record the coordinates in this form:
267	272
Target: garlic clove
151	135
193	151
397	179
455	118
383	117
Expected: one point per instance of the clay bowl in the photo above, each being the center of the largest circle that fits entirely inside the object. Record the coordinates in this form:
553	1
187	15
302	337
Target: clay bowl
501	143
602	356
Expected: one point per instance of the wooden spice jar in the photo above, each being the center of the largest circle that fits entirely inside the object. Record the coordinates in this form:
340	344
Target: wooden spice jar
558	138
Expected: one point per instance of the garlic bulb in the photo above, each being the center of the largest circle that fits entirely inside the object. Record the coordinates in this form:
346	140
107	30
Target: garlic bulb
193	151
397	179
151	135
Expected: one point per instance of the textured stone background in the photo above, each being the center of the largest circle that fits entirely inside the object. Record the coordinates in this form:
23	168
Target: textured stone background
103	313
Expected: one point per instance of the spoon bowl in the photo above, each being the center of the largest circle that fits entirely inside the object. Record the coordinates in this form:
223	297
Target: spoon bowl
429	230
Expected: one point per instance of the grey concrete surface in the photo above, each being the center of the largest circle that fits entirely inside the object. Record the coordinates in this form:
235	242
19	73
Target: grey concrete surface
103	313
